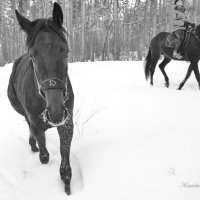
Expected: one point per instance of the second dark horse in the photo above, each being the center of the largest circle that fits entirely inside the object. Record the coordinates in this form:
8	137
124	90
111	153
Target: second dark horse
191	53
40	88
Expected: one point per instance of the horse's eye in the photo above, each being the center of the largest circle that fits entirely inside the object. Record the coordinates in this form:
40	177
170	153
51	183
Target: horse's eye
64	51
33	55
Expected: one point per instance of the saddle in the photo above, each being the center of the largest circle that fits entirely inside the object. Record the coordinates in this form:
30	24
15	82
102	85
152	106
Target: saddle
172	39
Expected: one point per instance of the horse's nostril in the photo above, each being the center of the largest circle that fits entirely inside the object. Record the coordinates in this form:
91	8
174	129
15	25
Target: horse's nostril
48	115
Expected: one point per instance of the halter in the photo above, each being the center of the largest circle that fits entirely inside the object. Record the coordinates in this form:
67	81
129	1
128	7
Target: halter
52	83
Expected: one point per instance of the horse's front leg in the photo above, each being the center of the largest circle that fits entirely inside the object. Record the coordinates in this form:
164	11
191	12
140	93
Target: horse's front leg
196	72
40	137
186	77
66	134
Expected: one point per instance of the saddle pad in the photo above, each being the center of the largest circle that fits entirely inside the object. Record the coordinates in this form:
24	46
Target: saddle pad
171	40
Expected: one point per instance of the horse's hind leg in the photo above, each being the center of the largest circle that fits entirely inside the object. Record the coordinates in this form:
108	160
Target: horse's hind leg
41	140
196	72
186	78
154	62
32	143
162	68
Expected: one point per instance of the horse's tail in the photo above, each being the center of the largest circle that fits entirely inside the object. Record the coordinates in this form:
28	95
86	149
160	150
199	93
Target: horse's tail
147	65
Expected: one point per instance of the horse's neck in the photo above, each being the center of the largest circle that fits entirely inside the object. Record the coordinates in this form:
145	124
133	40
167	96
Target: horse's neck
197	37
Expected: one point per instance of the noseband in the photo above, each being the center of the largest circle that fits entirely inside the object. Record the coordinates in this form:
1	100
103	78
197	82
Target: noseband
53	83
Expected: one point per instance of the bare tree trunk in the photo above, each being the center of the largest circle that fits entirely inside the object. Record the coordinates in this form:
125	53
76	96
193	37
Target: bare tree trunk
154	11
116	31
70	29
106	41
83	31
195	10
91	33
169	16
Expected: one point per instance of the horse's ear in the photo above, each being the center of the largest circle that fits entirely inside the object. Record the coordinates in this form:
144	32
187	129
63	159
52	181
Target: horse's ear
57	14
23	22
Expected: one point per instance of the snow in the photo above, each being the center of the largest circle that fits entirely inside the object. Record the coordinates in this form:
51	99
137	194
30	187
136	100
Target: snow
131	140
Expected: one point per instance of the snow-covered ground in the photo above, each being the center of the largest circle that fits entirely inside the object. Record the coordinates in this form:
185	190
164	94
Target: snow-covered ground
131	140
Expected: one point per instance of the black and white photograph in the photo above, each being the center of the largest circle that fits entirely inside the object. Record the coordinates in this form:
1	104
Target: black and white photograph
99	99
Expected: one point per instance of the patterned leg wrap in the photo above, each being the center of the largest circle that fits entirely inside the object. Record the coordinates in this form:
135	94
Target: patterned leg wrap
66	134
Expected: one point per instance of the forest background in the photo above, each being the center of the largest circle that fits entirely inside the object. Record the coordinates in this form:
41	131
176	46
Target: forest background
97	29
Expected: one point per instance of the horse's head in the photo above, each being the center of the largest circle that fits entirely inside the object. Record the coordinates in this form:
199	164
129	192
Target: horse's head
48	51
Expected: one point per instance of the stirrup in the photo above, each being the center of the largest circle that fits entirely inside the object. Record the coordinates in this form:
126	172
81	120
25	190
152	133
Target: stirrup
177	55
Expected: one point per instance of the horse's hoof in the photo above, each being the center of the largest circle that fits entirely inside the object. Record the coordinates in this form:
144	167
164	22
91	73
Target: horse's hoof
32	143
179	88
44	158
34	149
65	175
167	85
67	189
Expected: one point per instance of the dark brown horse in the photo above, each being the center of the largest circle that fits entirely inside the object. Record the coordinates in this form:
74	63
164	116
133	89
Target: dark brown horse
191	53
40	88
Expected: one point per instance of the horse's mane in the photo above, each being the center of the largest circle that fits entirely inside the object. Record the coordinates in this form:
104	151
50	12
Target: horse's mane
44	25
198	29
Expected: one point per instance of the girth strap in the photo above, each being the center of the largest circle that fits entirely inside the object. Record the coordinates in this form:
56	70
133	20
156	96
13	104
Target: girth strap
53	83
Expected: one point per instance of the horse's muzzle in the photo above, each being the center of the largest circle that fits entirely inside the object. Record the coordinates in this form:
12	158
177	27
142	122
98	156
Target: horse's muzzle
54	91
47	118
